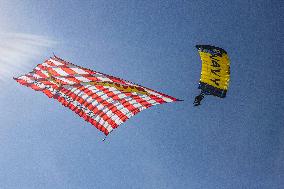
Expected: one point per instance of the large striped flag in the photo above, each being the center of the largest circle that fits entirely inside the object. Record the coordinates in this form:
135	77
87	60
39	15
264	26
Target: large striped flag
104	101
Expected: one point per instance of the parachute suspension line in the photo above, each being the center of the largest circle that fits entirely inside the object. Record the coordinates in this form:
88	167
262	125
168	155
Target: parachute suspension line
198	98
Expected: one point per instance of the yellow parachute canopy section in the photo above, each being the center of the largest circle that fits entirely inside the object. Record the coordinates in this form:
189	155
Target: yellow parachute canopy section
215	73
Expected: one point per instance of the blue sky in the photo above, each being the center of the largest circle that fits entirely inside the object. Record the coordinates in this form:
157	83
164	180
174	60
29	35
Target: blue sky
236	142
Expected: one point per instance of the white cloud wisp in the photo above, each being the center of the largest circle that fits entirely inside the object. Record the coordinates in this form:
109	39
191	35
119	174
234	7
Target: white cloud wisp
17	50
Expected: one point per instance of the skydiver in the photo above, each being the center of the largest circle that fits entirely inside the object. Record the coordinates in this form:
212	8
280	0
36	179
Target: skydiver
198	99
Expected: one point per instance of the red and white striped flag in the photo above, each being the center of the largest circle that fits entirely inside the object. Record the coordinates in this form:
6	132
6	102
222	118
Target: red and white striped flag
103	100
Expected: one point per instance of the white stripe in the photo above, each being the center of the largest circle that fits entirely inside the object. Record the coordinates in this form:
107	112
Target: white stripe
148	99
25	78
121	95
36	76
60	71
83	79
78	77
52	90
120	106
153	93
103	78
122	109
42	71
96	104
159	95
59	78
117	104
32	81
86	111
110	100
45	64
56	62
79	70
144	97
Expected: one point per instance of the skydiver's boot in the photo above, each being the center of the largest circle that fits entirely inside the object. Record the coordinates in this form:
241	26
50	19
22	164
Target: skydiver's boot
196	103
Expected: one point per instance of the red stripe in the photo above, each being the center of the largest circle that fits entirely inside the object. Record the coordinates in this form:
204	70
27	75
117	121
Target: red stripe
114	79
68	70
110	106
22	82
167	96
55	74
110	94
104	103
157	99
72	79
48	93
124	102
134	97
83	115
50	63
44	79
92	108
35	87
40	73
137	98
133	110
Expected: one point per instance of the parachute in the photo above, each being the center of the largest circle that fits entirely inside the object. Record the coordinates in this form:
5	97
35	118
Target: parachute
215	73
104	101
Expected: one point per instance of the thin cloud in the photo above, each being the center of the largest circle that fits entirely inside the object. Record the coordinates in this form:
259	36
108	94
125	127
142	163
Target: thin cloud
17	50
